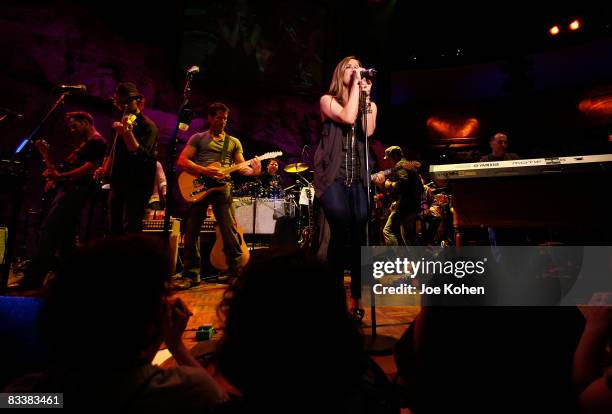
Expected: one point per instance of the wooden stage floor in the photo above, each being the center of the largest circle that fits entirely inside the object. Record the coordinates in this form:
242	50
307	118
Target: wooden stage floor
204	299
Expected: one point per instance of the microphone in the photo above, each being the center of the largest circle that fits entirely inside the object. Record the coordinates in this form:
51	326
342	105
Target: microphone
193	70
368	73
6	111
75	89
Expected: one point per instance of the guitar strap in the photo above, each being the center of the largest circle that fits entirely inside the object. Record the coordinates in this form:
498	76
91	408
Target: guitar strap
223	153
225	146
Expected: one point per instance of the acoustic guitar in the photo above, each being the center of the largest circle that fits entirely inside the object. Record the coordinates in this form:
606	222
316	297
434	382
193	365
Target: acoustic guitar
195	188
217	256
406	165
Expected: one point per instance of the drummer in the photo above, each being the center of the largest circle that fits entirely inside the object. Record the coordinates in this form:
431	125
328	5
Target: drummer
271	180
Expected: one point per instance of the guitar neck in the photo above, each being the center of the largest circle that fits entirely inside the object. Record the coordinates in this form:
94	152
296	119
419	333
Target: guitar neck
237	167
385	172
45	155
48	162
405	165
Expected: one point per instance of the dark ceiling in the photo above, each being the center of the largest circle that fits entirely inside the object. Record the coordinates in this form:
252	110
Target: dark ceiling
439	35
401	33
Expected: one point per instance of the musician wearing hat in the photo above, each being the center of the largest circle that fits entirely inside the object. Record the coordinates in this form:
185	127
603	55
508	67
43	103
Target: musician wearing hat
131	162
406	186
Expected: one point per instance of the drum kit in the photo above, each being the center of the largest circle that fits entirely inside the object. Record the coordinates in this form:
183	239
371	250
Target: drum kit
297	199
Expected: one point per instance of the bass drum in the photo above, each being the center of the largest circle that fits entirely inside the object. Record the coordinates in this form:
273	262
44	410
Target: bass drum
276	192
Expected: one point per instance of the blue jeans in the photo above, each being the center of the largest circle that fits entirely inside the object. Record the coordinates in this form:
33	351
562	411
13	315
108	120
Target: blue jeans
346	210
57	231
222	205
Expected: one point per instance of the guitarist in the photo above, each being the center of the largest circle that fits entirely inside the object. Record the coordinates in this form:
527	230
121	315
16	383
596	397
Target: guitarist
202	149
75	186
407	188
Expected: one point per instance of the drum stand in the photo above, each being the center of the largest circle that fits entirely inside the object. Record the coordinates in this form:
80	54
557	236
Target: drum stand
254	199
303	182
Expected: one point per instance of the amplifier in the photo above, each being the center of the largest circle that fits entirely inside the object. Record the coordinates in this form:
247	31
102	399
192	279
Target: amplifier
11	168
157	226
209	225
268	211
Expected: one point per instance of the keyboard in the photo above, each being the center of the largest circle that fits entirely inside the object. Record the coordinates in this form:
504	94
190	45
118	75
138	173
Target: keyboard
532	166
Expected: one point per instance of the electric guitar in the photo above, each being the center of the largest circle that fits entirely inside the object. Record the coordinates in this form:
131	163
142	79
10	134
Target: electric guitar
217	256
195	188
43	148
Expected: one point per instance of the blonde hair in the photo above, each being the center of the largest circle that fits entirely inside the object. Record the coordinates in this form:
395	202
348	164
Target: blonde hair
336	88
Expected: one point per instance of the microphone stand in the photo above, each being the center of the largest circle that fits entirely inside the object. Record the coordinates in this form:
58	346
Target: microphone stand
25	149
375	344
171	158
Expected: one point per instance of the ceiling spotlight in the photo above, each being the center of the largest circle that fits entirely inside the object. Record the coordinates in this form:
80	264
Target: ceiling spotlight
554	30
575	24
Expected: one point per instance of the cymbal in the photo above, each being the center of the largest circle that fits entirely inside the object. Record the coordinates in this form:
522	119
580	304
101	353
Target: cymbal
296	168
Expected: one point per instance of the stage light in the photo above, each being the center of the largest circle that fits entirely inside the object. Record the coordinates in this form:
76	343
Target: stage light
598	107
554	30
575	25
453	128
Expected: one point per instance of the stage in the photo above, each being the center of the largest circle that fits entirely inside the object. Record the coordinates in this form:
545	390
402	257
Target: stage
203	300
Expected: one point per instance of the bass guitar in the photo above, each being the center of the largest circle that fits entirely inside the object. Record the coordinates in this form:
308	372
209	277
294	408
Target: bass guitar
195	188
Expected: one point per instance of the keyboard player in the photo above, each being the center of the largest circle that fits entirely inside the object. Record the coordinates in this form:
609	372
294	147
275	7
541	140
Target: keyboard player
502	237
499	149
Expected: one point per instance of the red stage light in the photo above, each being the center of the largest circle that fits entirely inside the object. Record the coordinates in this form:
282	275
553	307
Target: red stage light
453	128
554	30
575	25
598	107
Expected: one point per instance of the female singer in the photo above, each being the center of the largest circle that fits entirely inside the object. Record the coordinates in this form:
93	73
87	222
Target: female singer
339	166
